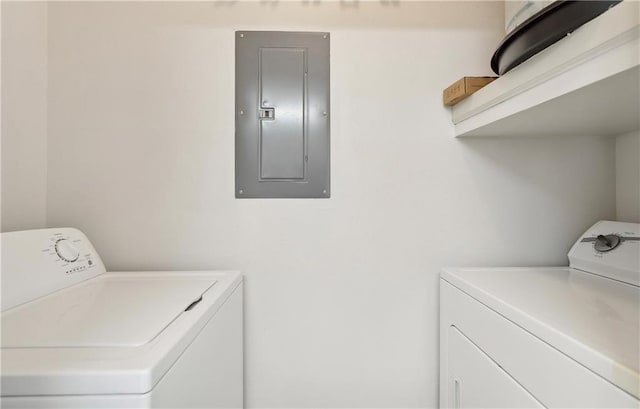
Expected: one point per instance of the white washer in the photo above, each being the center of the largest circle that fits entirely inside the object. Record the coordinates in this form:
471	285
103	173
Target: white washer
552	337
75	336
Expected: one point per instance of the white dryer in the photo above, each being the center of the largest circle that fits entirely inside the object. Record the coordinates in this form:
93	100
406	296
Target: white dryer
554	337
75	336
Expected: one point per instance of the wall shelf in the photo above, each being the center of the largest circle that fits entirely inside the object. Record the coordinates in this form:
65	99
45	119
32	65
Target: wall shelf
585	84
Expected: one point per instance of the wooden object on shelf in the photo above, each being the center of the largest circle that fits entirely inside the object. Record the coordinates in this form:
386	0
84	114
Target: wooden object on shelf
464	87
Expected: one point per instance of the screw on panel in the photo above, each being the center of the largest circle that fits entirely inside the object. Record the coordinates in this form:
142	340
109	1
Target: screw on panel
240	191
324	192
241	112
324	113
324	36
241	35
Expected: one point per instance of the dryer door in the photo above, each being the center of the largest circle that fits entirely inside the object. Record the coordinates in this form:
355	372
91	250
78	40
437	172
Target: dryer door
476	381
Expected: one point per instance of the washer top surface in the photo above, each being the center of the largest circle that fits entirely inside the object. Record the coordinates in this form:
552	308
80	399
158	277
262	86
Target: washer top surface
117	333
105	311
593	319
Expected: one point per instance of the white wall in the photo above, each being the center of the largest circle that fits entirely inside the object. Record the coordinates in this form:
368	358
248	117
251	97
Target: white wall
341	294
628	177
24	115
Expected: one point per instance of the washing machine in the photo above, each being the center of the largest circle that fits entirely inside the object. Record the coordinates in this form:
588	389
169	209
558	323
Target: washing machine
76	336
554	337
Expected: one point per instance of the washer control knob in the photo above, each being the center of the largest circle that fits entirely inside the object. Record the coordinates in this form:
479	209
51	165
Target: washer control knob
606	243
66	250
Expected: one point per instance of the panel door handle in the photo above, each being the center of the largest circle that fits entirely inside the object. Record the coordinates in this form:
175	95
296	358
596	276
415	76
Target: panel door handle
267	113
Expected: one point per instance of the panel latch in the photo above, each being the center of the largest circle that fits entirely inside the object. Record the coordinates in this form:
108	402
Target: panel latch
267	113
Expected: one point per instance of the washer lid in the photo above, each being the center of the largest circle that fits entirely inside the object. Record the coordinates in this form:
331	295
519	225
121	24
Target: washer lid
111	317
112	311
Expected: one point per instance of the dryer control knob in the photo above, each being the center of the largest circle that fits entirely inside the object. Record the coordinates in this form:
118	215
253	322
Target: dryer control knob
66	250
606	243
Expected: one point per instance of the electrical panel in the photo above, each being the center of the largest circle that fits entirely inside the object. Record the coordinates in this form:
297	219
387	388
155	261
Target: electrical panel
282	115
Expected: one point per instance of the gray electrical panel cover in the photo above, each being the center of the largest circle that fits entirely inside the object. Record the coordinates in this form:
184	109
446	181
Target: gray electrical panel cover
282	115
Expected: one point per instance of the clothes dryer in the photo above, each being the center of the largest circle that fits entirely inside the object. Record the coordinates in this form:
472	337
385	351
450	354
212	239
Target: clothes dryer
554	337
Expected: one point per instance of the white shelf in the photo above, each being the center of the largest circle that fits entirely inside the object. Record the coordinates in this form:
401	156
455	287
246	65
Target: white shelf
585	84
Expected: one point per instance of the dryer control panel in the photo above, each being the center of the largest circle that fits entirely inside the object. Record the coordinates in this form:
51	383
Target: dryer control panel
610	249
38	262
